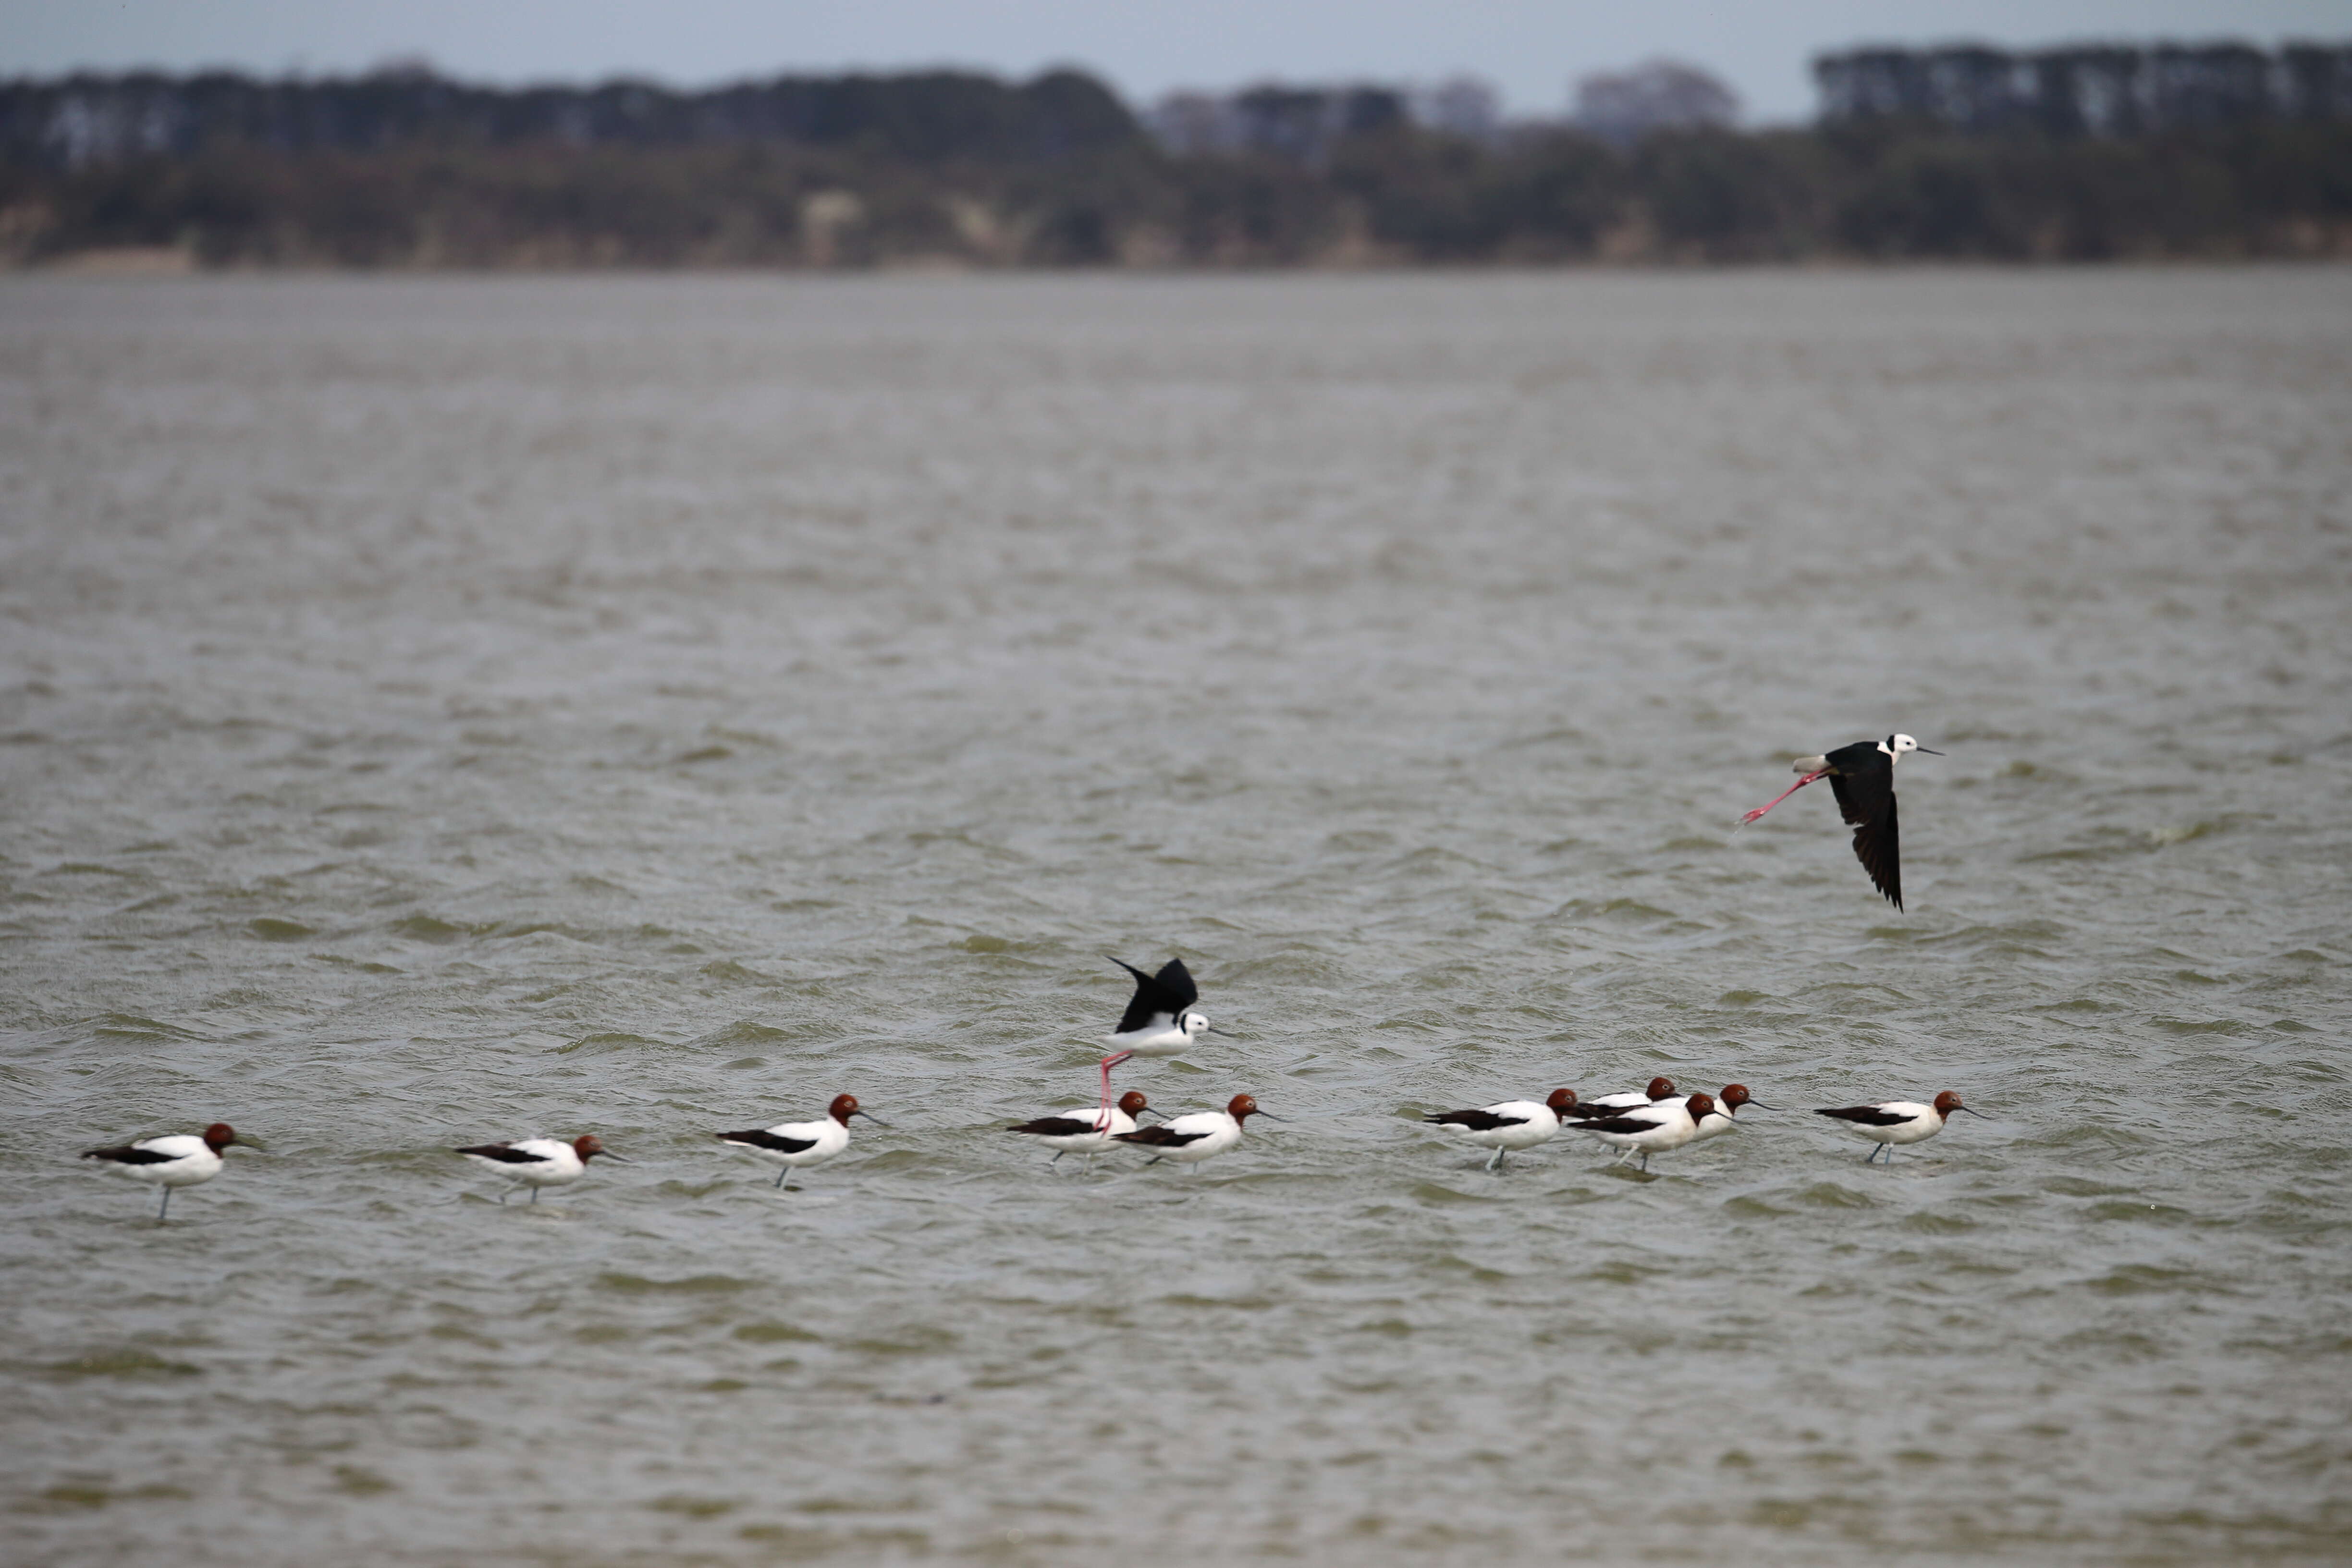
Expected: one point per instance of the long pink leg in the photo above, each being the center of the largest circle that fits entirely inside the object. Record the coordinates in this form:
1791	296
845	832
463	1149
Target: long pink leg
1110	1062
1746	818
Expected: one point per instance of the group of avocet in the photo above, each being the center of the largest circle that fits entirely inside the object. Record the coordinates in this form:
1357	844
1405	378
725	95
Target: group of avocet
1656	1121
1162	1018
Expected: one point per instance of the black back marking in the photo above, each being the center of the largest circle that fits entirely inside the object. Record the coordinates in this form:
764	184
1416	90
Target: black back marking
505	1154
1868	1116
760	1138
130	1154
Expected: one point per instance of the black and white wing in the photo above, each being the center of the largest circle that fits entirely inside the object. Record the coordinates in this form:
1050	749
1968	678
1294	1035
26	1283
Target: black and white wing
760	1138
504	1154
1162	995
131	1154
1160	1137
1866	798
1475	1121
1870	1115
1057	1127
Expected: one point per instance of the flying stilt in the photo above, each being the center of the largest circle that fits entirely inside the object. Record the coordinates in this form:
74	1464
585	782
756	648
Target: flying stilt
1863	777
1161	1019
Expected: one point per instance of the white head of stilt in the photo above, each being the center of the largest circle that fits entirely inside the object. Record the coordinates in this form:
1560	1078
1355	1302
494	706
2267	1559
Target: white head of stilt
1896	746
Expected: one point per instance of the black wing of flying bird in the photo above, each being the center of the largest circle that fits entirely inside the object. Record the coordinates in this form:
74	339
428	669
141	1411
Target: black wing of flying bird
760	1138
129	1154
1171	991
1055	1127
1476	1120
1864	784
505	1153
1867	1116
1159	1137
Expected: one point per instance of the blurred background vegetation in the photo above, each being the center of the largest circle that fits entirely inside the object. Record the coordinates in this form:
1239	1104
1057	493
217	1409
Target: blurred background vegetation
2093	154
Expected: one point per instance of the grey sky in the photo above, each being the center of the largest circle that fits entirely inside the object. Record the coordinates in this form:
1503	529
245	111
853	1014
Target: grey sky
1530	50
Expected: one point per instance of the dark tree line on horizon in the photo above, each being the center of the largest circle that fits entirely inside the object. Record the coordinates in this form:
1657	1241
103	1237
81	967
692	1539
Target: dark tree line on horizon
2088	153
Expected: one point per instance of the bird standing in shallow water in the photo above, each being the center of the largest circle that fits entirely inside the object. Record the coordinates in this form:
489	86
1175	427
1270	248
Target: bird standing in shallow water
1897	1122
1862	777
1087	1132
793	1144
1162	1017
1654	1129
537	1162
1512	1124
174	1160
1188	1140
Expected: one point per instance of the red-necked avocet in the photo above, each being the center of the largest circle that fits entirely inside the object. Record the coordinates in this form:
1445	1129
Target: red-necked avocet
1717	1123
174	1160
794	1144
1629	1099
1087	1132
1653	1130
1511	1124
1204	1134
1862	777
537	1162
1161	1019
1897	1122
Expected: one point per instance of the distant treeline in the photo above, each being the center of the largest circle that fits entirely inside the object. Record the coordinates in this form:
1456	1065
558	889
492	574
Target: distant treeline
1927	155
2092	89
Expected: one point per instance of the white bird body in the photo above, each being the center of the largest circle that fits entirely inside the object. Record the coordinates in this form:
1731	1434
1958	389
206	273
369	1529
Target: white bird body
796	1145
1163	1035
1631	1099
1508	1125
1088	1131
171	1162
1894	1122
537	1163
1654	1129
1161	1018
1188	1140
1718	1122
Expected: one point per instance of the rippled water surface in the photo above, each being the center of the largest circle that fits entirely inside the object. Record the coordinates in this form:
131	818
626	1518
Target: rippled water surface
440	711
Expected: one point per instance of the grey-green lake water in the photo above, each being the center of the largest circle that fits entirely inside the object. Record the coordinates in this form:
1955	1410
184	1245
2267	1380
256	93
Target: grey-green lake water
434	711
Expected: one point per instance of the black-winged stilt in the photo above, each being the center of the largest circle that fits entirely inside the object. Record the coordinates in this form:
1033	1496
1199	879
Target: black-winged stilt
1863	777
1161	1019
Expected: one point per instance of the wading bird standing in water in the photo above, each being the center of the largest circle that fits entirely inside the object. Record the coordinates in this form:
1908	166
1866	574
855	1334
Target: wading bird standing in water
1894	1122
1862	776
174	1160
